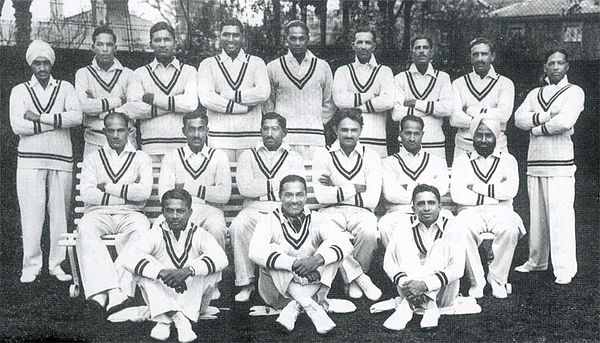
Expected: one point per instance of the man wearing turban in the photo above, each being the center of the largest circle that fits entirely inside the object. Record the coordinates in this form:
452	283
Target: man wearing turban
483	184
42	110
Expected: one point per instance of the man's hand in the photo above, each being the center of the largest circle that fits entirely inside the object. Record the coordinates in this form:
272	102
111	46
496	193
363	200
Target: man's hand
179	185
31	116
148	98
101	186
325	180
175	278
413	290
486	245
314	276
360	188
554	113
304	266
410	102
465	108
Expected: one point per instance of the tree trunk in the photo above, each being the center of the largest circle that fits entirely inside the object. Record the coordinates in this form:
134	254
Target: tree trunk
345	20
303	11
22	22
407	17
276	23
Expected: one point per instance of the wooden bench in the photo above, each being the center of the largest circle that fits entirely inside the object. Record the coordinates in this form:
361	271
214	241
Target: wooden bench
153	209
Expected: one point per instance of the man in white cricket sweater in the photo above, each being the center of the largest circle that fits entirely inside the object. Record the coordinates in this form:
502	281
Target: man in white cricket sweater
484	183
483	92
301	91
426	93
233	86
103	86
41	112
202	171
347	182
549	113
403	171
116	182
368	86
299	252
177	265
259	171
165	90
425	260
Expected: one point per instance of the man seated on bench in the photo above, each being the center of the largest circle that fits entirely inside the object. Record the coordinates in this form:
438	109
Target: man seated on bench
347	181
259	171
116	181
403	171
299	253
425	259
202	171
177	265
484	183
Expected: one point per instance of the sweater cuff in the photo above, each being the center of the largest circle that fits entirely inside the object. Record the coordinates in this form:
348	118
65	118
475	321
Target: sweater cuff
424	106
436	281
147	269
347	191
204	266
539	118
113	189
399	278
475	110
277	260
480	188
331	254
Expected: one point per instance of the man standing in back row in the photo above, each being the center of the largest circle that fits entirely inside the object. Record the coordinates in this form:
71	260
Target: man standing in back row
232	86
301	91
481	93
164	91
549	113
367	86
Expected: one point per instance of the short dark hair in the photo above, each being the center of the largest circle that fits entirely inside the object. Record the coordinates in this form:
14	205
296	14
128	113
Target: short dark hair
482	40
297	23
177	193
415	119
365	28
351	113
419	37
291	178
231	21
422	188
121	115
555	50
162	25
274	116
200	112
104	29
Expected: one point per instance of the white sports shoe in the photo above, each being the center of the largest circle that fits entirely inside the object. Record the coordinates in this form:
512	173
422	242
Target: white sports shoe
216	295
115	298
498	290
184	328
60	275
319	317
289	314
354	290
368	287
244	295
563	280
161	331
476	291
28	277
430	317
398	320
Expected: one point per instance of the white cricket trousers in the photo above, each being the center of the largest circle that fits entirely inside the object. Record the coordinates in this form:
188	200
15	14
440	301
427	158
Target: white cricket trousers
36	189
241	231
98	272
361	224
212	220
389	223
482	222
552	224
437	260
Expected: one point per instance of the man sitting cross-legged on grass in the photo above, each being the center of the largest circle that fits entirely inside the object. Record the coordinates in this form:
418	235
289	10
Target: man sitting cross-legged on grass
425	259
116	181
299	253
177	265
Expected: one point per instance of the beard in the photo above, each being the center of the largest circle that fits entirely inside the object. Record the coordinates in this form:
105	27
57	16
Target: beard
484	150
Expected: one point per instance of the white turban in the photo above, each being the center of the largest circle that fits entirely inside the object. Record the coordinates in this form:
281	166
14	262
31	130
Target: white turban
39	48
491	122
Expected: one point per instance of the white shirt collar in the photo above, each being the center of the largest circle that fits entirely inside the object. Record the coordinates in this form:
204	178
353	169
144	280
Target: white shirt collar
491	73
358	148
283	219
165	226
307	57
561	83
284	146
475	155
439	222
405	152
175	63
34	81
372	62
115	66
187	152
240	57
128	148
430	71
